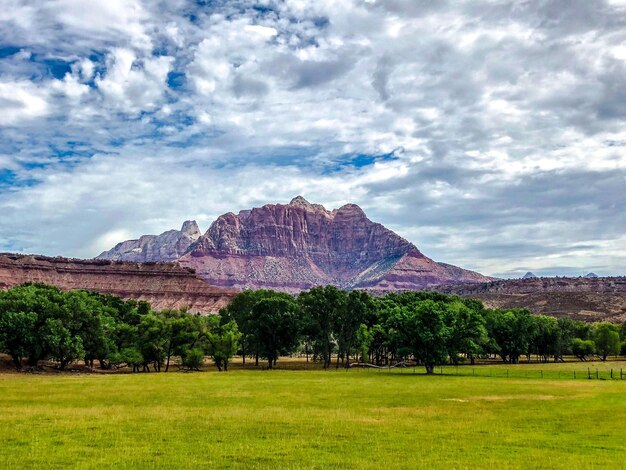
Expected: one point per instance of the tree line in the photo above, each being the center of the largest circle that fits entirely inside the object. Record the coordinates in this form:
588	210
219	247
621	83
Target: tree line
325	324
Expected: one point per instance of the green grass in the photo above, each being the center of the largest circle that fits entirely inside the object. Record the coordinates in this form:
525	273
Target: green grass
309	419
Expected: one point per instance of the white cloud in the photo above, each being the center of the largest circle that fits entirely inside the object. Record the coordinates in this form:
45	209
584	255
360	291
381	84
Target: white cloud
21	101
503	119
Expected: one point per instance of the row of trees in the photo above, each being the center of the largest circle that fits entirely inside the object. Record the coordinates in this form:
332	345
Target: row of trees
426	327
39	322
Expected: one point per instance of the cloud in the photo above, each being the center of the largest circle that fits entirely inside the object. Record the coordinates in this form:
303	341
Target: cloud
505	121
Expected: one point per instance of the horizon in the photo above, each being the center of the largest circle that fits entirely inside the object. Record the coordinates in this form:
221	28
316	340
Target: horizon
489	135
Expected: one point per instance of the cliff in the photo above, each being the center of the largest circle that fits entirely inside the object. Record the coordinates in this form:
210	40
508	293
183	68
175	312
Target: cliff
163	285
299	245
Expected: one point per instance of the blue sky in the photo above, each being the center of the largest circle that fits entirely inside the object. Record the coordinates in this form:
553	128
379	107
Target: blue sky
489	133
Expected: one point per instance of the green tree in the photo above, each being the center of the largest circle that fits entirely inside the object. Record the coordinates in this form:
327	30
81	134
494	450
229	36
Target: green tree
322	308
193	359
222	341
546	336
581	348
357	307
467	331
511	332
606	339
17	334
426	333
276	327
62	346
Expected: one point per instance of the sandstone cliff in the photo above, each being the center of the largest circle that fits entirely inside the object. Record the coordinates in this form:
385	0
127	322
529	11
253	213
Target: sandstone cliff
299	245
163	285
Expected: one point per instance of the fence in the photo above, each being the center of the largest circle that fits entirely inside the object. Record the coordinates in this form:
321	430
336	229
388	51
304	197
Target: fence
589	373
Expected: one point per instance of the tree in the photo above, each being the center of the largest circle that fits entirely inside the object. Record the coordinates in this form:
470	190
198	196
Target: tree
606	339
61	345
467	331
511	331
17	334
240	310
222	341
581	348
152	339
546	336
276	327
347	323
193	359
322	308
426	333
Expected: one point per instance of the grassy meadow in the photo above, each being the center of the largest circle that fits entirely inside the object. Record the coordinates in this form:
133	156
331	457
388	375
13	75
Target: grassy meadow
310	419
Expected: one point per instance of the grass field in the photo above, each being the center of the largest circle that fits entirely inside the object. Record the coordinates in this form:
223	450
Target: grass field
310	419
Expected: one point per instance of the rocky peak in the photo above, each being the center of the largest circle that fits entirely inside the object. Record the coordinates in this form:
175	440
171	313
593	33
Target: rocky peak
300	201
191	229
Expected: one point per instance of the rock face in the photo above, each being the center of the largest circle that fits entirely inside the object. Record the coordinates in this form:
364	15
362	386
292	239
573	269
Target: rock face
163	285
169	246
296	246
590	299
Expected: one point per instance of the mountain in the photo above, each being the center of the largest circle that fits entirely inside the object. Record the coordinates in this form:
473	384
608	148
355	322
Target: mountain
529	275
169	246
295	246
591	275
164	285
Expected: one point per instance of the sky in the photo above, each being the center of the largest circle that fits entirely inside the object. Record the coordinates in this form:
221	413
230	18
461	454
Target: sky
491	134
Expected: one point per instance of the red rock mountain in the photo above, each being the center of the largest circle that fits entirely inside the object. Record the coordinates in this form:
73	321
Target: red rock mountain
295	246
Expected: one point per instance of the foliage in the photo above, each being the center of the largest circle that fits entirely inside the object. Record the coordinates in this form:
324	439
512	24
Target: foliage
39	322
583	348
606	339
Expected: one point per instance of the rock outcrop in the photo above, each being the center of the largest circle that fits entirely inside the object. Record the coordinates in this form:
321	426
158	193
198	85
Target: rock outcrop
163	285
299	245
169	246
589	299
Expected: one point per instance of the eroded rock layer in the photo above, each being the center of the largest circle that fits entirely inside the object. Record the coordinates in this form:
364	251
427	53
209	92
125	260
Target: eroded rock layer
590	299
163	285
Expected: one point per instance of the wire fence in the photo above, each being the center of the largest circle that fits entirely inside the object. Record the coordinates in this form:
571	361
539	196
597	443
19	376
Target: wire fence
589	373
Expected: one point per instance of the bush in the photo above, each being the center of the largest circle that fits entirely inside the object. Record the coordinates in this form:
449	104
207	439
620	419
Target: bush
193	359
581	348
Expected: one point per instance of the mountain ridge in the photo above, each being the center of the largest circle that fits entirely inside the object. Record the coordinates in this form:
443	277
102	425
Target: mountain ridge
296	246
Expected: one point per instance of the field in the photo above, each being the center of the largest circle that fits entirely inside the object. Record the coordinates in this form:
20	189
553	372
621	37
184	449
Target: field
312	419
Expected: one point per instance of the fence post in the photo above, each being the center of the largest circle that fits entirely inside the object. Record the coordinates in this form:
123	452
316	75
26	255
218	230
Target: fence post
611	373
597	376
542	373
473	372
507	373
574	375
588	373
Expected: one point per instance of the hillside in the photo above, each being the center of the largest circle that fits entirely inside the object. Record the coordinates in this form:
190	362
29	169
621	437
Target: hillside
584	298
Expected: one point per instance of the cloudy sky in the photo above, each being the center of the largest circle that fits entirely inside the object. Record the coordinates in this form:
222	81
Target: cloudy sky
489	133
